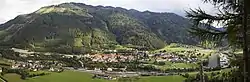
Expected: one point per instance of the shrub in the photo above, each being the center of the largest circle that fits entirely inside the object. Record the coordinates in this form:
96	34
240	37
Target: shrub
159	63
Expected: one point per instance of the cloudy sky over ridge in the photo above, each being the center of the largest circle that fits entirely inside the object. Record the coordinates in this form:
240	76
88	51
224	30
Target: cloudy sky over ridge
11	8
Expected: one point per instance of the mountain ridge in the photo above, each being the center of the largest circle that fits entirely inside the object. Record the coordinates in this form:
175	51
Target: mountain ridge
77	27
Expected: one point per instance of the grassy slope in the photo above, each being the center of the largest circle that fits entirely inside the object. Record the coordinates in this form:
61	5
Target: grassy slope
175	48
170	65
178	48
73	76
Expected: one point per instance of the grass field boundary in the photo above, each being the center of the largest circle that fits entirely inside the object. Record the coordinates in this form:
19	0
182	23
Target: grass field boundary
3	79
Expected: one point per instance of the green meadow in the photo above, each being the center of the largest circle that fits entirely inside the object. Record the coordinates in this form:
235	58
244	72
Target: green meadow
75	76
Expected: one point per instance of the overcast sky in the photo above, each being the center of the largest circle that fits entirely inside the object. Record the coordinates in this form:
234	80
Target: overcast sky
11	8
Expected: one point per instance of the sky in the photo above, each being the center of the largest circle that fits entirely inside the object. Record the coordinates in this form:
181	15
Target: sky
9	9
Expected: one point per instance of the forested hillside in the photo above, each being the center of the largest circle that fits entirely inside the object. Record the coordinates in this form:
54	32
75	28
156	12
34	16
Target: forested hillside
77	27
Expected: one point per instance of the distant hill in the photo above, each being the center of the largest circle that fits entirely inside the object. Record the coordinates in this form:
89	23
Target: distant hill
77	27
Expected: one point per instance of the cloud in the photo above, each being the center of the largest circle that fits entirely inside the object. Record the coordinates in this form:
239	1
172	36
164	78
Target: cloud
11	8
176	6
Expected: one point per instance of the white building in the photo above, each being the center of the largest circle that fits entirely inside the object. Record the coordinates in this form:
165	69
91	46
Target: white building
218	60
213	61
109	69
1	70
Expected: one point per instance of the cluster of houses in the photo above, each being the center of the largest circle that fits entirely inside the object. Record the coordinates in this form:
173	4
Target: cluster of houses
36	66
175	57
110	57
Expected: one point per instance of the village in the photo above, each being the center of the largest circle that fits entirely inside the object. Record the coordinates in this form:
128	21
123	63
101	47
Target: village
100	64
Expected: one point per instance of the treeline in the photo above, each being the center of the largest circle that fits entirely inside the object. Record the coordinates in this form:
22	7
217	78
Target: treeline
22	72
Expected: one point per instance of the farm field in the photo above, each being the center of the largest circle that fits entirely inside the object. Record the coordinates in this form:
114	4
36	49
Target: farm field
12	77
162	79
75	76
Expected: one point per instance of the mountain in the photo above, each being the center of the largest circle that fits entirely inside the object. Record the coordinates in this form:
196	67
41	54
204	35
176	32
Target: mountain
77	27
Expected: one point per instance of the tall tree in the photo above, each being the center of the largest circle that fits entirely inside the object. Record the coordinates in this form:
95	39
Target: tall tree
233	15
246	51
